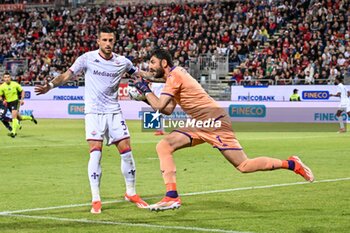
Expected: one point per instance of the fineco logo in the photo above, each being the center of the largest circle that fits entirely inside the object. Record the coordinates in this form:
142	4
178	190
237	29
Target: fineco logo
329	117
76	109
240	110
256	98
68	97
315	95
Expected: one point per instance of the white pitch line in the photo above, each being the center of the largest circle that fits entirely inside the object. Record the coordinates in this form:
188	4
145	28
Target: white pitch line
57	207
65	145
122	223
184	194
263	187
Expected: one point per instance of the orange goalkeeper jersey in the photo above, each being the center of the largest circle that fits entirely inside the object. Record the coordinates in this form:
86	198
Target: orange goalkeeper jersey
190	96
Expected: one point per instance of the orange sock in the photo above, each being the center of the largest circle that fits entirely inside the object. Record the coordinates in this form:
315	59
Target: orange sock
171	190
260	164
171	187
285	164
167	165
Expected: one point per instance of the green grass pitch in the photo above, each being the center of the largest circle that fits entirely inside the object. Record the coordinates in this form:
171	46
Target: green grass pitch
44	184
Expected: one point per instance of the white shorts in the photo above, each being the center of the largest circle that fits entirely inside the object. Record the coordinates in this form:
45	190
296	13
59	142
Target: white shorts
111	126
344	108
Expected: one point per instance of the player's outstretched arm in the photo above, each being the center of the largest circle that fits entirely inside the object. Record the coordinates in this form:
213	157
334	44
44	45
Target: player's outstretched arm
149	76
144	74
335	95
165	104
58	81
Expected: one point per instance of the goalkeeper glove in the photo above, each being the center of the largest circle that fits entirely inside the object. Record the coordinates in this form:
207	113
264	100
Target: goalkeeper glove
142	85
132	84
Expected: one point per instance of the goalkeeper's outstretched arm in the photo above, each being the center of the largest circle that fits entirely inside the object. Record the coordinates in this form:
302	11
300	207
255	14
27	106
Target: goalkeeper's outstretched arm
164	104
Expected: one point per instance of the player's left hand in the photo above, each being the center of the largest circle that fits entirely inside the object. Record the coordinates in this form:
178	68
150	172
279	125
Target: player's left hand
142	85
21	102
41	89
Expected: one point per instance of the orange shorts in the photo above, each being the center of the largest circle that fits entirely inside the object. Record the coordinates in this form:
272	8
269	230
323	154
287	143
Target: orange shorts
222	138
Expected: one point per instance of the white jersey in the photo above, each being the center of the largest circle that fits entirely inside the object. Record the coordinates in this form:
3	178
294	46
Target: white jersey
344	99
102	78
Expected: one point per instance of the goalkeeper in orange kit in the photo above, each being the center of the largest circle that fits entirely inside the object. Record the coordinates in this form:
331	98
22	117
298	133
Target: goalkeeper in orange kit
182	89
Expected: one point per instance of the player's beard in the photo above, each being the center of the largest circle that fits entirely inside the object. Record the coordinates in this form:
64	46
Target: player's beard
159	73
106	53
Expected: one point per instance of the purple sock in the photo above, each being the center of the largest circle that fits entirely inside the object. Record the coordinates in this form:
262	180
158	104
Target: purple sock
291	165
172	194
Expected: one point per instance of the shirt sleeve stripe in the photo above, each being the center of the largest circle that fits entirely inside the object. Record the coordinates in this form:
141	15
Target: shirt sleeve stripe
163	93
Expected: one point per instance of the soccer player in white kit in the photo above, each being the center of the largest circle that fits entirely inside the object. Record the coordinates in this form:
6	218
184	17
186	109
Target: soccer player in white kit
344	106
103	116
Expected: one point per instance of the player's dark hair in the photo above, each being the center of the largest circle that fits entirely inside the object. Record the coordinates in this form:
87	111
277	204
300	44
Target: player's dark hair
106	29
6	73
163	54
339	78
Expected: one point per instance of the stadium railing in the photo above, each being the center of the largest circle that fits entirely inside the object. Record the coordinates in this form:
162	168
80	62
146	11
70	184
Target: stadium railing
157	2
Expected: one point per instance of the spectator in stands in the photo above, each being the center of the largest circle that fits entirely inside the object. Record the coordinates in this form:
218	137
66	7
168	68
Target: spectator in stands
247	78
309	74
237	77
333	74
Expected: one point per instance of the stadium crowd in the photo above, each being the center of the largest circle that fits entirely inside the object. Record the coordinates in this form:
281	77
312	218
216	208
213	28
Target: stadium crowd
267	42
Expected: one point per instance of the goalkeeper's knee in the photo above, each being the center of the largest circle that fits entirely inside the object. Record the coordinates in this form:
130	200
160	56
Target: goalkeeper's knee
163	147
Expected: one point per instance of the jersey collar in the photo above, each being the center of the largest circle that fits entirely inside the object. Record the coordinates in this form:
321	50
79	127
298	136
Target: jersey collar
105	58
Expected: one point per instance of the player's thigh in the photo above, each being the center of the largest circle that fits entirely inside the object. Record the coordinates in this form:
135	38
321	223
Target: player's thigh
95	127
14	114
222	138
347	110
181	138
235	157
339	112
117	129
